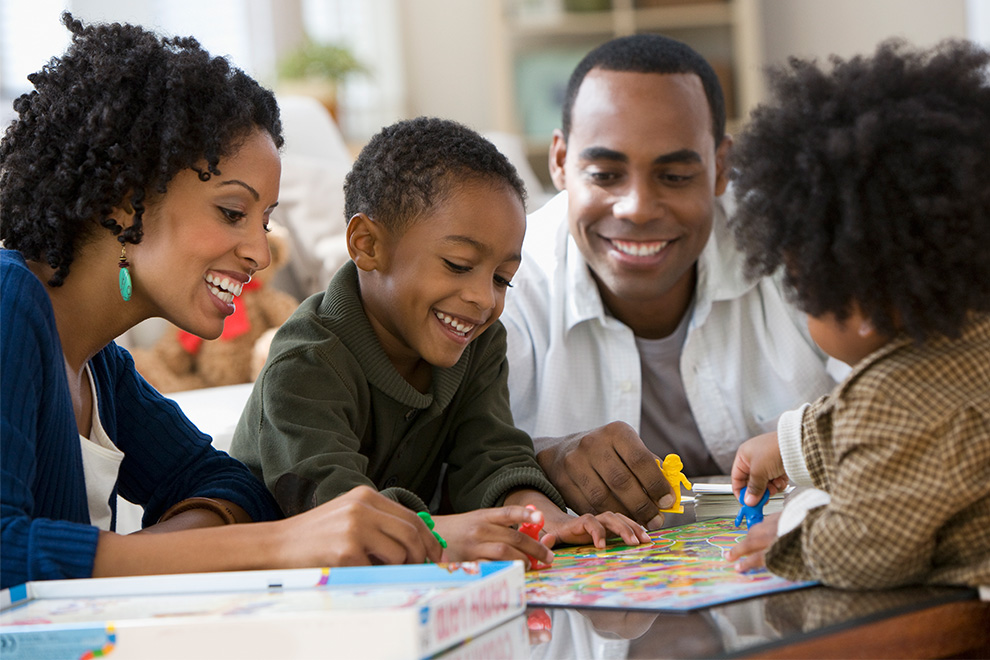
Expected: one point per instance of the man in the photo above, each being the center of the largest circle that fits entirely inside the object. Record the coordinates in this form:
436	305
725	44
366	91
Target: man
632	330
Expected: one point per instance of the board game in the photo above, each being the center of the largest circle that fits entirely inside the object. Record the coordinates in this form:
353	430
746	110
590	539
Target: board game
387	612
682	569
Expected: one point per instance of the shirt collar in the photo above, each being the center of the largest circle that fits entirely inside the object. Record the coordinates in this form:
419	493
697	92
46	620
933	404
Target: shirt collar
976	329
720	268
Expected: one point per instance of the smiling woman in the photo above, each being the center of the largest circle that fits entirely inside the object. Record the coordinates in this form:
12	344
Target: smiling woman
137	181
217	223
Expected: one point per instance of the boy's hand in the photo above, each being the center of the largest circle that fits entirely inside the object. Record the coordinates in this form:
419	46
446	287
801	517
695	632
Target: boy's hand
752	548
491	534
595	529
757	466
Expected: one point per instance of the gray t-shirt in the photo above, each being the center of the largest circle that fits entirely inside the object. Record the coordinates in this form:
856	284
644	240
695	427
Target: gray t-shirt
667	425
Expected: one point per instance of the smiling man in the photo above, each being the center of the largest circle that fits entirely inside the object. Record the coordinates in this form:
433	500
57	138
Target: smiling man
632	330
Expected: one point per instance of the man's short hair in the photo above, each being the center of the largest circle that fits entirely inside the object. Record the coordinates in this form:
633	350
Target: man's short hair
649	53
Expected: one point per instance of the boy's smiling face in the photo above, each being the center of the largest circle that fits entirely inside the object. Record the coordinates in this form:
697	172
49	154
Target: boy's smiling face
431	288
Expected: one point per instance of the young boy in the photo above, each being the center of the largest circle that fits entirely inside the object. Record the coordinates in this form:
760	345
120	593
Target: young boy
395	377
869	184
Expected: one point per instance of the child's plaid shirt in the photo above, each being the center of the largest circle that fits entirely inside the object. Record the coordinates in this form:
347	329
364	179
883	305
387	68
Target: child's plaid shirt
901	449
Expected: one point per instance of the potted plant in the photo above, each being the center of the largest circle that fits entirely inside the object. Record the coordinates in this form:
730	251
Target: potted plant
316	69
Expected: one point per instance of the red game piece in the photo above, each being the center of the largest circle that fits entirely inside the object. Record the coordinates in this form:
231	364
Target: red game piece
532	530
538	619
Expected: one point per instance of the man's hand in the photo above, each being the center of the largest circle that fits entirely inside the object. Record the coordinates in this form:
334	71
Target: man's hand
608	469
758	466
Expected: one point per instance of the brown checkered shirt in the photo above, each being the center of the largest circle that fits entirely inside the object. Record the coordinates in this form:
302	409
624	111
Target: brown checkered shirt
903	448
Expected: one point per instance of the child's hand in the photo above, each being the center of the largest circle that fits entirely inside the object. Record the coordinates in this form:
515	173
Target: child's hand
752	548
582	529
491	534
758	465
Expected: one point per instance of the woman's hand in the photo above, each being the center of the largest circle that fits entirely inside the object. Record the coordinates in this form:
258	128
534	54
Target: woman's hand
751	550
491	534
359	528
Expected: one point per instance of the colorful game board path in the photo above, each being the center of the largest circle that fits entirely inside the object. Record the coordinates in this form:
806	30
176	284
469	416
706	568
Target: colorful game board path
682	569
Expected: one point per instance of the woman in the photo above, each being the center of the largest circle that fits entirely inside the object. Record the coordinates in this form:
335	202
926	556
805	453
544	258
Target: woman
136	182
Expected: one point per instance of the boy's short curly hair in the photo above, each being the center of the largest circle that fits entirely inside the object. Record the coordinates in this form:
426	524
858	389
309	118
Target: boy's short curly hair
111	122
869	183
412	166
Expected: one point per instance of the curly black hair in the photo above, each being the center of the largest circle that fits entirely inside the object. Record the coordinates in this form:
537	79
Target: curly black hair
117	116
412	166
869	184
648	53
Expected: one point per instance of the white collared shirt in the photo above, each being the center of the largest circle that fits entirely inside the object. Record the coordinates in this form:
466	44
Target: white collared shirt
572	367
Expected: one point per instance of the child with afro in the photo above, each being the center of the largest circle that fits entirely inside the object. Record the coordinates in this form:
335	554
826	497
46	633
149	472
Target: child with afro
395	377
868	184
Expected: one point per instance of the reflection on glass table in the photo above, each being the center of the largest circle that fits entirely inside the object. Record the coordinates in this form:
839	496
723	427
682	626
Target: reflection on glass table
814	622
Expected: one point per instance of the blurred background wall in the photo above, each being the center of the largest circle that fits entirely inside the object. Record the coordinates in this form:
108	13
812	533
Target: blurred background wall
496	65
499	66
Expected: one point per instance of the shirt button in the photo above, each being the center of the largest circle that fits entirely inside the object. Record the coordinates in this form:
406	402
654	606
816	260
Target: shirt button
626	386
391	482
410	414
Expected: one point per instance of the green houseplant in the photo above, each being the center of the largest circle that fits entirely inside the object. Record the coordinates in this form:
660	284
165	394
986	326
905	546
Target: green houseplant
316	69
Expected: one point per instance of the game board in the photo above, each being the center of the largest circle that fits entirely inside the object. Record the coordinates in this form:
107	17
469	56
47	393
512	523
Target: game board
682	569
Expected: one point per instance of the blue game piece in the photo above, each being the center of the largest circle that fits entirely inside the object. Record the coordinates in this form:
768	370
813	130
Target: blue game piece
752	514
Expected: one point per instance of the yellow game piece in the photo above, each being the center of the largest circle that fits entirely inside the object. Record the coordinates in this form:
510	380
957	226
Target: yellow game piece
671	468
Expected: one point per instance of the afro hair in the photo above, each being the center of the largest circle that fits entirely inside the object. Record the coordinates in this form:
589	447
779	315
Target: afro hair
868	183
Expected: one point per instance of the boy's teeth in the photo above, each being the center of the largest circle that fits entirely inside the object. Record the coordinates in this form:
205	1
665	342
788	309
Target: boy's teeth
460	327
637	249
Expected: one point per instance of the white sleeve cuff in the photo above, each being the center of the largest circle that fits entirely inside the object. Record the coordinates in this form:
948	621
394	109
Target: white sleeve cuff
789	441
544	442
798	506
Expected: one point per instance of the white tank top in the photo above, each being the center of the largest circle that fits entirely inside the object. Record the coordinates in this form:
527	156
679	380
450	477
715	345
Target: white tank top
101	463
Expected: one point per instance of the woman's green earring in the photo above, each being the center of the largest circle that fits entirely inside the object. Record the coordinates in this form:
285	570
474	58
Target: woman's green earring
125	275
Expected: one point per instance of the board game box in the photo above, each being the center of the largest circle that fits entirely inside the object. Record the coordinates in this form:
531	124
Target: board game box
399	612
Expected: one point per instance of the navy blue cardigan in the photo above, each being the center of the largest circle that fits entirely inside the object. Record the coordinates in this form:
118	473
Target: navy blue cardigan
44	515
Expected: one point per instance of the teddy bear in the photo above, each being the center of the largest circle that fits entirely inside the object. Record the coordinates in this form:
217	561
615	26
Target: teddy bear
181	361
